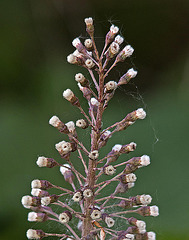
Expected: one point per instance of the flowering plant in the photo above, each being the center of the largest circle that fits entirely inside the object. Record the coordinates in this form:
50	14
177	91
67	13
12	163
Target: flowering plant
97	214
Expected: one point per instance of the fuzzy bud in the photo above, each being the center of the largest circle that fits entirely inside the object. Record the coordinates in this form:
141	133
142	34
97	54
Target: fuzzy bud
104	138
126	52
114	154
72	59
67	173
144	160
69	96
137	114
65	217
42	184
39	193
141	225
63	147
89	63
109	170
88	44
128	148
111	34
95	213
94	155
79	77
127	178
37	217
50	199
55	122
108	220
110	86
119	39
87	192
82	123
131	73
78	196
112	50
150	236
122	187
46	162
29	201
148	211
71	127
89	25
35	234
76	42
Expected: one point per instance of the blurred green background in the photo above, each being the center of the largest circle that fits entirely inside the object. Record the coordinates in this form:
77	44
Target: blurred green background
35	39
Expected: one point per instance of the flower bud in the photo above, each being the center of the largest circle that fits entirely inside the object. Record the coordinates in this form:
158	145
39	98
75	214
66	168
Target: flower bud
131	73
39	193
126	52
114	154
46	162
72	59
150	236
137	114
112	50
28	201
111	34
86	92
63	147
69	96
50	199
128	148
141	225
87	192
126	178
78	196
104	138
89	25
89	63
82	123
67	173
55	122
108	220
122	187
148	211
95	213
79	77
143	199
119	39
42	184
65	217
35	234
37	217
88	44
94	155
109	170
110	86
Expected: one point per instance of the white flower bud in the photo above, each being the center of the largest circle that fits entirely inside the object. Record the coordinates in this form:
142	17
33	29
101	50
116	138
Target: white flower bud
68	94
82	123
114	49
141	226
130	185
95	214
88	43
63	147
131	177
65	217
117	148
34	234
140	113
128	51
54	121
110	86
154	211
89	63
129	236
88	21
151	236
79	77
109	170
65	168
42	161
145	160
45	201
87	193
114	29
36	217
36	184
132	146
145	199
71	126
93	155
109	221
77	196
72	59
27	201
39	193
94	102
76	53
119	39
76	42
131	73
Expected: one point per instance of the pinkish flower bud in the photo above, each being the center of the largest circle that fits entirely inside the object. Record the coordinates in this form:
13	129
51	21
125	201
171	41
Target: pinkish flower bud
37	217
67	173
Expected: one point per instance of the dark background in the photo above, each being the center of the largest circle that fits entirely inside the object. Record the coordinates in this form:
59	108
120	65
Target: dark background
35	39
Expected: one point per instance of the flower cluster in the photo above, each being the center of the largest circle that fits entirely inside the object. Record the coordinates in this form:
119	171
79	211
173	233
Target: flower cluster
99	211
